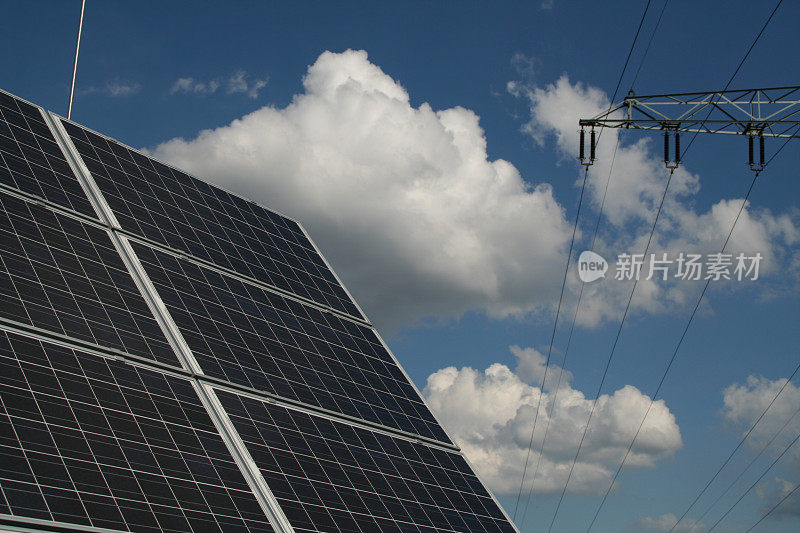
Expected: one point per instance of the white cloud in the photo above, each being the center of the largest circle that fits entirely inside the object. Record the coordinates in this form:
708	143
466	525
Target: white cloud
115	88
237	83
776	491
190	85
743	404
420	223
665	522
531	368
634	193
524	66
490	415
404	200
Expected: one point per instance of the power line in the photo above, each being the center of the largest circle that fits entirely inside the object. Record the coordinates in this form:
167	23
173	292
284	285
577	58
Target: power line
684	334
751	463
630	51
577	306
702	294
730	456
774	507
647	49
735	72
671	361
571	331
745	493
781	147
611	355
550	349
563	284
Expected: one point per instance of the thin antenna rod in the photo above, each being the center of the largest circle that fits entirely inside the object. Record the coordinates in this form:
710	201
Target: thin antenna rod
75	67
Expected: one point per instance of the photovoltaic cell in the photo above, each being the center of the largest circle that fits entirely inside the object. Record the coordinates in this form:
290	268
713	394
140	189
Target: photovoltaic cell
96	442
62	275
329	476
32	162
248	336
174	209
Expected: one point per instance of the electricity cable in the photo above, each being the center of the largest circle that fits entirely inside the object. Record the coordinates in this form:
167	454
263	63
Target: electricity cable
774	507
745	493
566	270
733	452
751	463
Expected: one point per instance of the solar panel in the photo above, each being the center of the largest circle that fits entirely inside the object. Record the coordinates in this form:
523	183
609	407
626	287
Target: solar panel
333	476
96	442
65	276
32	162
169	207
273	406
244	334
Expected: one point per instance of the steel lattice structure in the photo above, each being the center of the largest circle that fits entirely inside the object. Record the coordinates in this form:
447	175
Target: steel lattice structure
770	112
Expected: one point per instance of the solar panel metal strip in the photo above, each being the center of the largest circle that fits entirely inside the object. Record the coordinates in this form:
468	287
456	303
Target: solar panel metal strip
245	463
103	443
31	160
166	206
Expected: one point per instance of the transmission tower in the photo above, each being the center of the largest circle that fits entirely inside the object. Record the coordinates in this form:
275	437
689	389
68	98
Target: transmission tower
755	113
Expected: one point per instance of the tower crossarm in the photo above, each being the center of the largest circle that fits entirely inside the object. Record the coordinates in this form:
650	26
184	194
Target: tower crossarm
771	112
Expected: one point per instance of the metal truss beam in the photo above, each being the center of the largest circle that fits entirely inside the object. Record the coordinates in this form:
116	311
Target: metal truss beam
771	112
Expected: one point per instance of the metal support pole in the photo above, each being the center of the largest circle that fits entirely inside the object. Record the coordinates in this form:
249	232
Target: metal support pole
75	66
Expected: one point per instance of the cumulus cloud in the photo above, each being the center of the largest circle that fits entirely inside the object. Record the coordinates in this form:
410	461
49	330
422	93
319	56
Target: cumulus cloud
666	522
743	404
237	83
632	198
403	200
422	224
490	414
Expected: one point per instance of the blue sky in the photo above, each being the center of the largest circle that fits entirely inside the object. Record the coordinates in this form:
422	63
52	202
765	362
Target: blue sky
440	180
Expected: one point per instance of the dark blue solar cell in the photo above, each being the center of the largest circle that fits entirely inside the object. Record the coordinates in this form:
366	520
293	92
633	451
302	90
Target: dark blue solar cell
32	162
249	336
174	209
96	442
324	473
65	276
